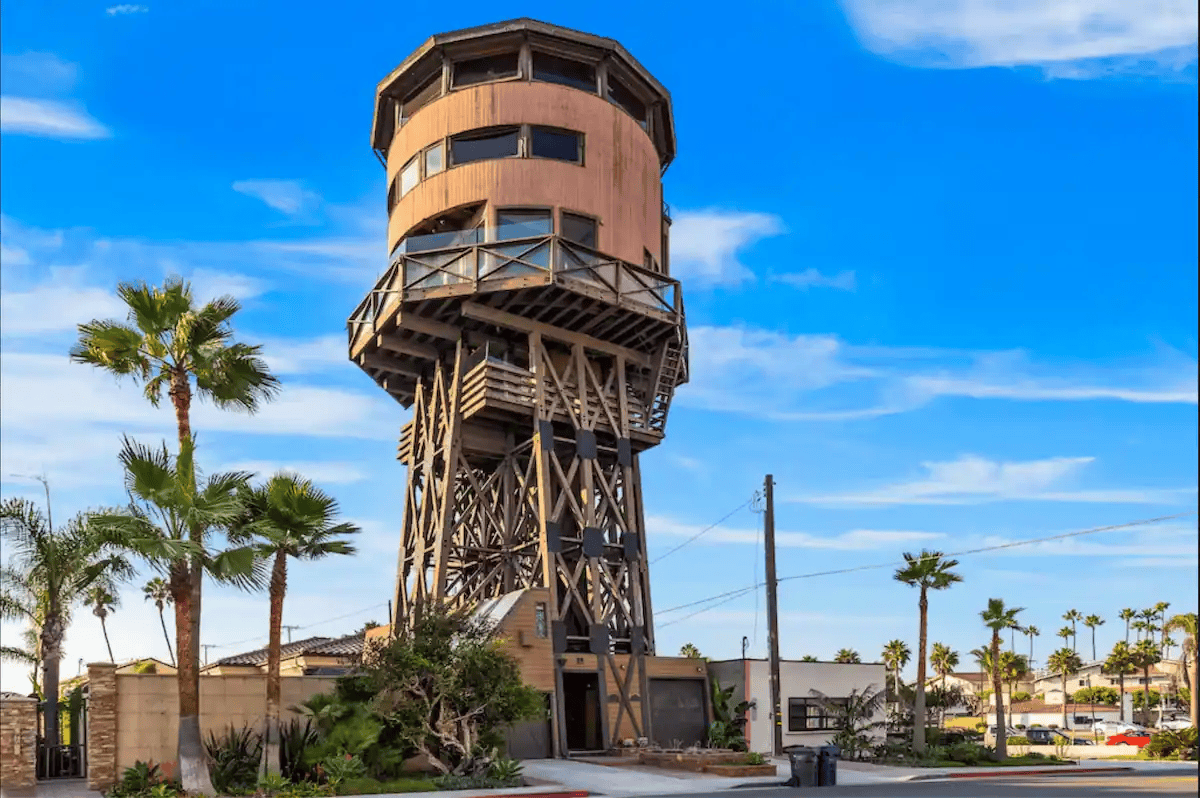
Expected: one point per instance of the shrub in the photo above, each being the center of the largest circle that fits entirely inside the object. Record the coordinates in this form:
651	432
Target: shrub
144	779
755	758
1021	726
294	741
968	753
234	758
1021	740
1021	695
506	771
341	768
1172	743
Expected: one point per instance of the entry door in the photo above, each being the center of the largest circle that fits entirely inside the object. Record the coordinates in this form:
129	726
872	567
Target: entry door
677	711
581	706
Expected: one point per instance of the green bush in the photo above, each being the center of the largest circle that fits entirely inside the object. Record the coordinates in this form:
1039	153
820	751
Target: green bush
295	739
1021	695
144	780
755	758
1171	742
1018	741
234	759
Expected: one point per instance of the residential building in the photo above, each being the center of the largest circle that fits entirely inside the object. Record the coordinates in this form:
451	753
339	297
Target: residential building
974	682
1049	714
806	719
313	656
1163	678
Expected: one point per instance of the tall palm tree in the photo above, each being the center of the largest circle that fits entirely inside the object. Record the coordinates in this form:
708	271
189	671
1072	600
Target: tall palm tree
169	343
998	617
1120	662
287	517
1186	623
1012	668
102	602
1065	634
1091	622
1144	655
690	651
1140	626
158	591
1064	662
1031	632
847	656
983	658
927	571
1073	616
48	574
895	656
1127	615
944	660
1160	612
1012	641
1148	616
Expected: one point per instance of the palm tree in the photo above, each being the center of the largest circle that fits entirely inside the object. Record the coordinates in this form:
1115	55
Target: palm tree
48	574
983	658
1072	616
1144	655
690	651
1147	617
927	571
169	343
1091	622
1012	668
288	517
847	656
102	603
1064	662
1032	631
998	617
944	660
1127	615
809	658
1186	623
895	656
158	591
1065	634
1160	611
1120	662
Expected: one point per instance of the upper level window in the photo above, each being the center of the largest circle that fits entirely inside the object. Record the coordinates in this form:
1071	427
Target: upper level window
523	223
561	145
479	146
393	195
623	96
421	96
410	175
485	69
541	626
580	229
435	159
564	71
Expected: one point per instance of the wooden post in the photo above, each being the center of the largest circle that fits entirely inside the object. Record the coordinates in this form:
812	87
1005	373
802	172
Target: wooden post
773	614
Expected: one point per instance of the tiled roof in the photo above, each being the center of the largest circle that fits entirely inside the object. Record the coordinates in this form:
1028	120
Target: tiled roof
1073	709
350	645
259	656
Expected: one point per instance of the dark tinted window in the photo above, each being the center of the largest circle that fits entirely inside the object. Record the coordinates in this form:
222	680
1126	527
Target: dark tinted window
620	94
580	229
553	69
558	144
522	223
422	96
482	70
497	143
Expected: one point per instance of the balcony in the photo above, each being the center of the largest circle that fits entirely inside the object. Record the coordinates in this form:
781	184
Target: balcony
511	258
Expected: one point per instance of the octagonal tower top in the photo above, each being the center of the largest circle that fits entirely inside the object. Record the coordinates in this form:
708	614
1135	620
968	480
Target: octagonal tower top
504	51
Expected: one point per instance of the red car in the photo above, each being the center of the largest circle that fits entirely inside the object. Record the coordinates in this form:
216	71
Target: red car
1129	738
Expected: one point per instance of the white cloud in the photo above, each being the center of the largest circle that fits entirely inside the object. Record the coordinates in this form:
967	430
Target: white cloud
705	244
54	307
1076	39
292	356
125	8
13	257
286	196
853	540
320	472
975	480
38	74
52	119
811	278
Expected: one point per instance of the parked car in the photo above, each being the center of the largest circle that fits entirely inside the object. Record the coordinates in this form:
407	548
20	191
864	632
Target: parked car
1176	723
1110	727
1051	736
1140	739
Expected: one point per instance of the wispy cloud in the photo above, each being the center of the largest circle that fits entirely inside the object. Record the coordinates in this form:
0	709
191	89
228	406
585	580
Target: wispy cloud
38	74
289	197
971	479
811	278
320	472
1076	39
305	356
705	244
852	540
52	119
125	8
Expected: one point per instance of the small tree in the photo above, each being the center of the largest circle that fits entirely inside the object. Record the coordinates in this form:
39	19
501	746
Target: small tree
690	651
1144	656
1065	662
1120	662
855	717
728	729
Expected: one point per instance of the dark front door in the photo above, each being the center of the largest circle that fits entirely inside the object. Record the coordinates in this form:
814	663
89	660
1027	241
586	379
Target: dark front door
677	713
581	706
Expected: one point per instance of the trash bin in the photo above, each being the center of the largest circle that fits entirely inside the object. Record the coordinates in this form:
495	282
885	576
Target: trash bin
804	766
827	757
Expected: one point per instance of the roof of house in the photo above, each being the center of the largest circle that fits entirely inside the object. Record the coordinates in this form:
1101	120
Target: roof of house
348	645
1035	706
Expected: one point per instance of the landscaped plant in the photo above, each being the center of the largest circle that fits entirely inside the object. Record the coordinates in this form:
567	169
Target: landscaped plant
295	740
144	780
337	769
729	719
856	719
755	758
234	758
998	617
1172	743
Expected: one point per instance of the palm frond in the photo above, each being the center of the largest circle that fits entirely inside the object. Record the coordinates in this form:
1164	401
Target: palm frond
240	566
236	378
113	346
14	654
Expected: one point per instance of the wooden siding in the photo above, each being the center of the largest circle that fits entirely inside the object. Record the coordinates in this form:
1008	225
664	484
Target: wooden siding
534	654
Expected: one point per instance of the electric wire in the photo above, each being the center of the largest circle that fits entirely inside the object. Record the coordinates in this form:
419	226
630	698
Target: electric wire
704	531
306	626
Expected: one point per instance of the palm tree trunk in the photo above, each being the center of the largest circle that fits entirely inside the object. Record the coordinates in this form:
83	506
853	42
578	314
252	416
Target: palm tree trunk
1121	700
998	691
108	645
919	701
1192	703
274	645
1065	697
193	768
1093	644
163	621
52	637
1146	694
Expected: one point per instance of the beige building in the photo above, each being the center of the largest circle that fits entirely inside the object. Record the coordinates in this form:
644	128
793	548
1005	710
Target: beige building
313	656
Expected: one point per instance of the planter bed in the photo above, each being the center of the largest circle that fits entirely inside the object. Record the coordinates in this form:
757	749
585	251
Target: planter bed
741	770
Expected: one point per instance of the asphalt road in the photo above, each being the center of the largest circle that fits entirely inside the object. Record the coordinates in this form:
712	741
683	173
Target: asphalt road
1181	782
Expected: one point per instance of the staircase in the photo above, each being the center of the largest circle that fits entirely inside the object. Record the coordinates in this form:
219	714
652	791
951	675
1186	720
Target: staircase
669	370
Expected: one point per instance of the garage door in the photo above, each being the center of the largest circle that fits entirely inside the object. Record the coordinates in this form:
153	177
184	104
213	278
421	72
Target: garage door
677	711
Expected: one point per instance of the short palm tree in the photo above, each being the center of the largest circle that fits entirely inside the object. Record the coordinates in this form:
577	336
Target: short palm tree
847	656
1031	632
895	656
998	617
1160	612
809	658
855	718
983	658
1065	633
1012	668
287	517
1186	623
169	344
944	660
1064	662
1145	655
158	591
1127	615
1072	617
926	571
103	603
1091	622
1120	662
690	651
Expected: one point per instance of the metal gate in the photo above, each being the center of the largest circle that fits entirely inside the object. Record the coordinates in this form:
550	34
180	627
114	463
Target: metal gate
68	759
677	712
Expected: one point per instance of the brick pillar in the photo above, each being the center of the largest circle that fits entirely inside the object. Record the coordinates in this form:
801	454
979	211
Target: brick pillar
102	726
18	743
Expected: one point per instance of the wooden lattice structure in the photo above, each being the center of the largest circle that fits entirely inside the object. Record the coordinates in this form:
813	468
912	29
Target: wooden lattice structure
538	365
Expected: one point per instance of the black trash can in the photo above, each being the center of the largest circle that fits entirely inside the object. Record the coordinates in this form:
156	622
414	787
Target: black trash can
804	766
827	757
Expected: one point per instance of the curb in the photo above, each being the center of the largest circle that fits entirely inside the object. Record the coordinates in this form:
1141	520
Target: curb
1004	773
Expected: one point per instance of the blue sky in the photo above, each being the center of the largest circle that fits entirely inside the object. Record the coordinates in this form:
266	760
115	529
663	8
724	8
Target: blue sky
939	262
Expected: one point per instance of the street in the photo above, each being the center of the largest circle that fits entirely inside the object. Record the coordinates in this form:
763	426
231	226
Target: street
1165	782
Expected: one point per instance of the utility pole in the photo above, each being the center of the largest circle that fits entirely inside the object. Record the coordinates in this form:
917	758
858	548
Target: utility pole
206	647
289	630
772	613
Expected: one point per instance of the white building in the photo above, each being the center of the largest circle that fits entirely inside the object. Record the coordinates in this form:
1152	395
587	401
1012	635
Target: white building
1044	713
805	721
1092	675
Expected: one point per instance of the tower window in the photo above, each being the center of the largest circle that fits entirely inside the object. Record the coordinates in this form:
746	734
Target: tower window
523	223
480	146
393	197
623	96
485	70
435	159
541	627
580	229
410	175
421	96
561	145
564	71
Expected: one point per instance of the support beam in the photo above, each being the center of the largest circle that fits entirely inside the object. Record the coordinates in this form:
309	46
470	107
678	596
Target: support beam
371	360
420	324
390	343
473	310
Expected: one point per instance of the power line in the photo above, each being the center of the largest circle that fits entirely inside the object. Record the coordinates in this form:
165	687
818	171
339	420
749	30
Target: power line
707	529
733	594
306	626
